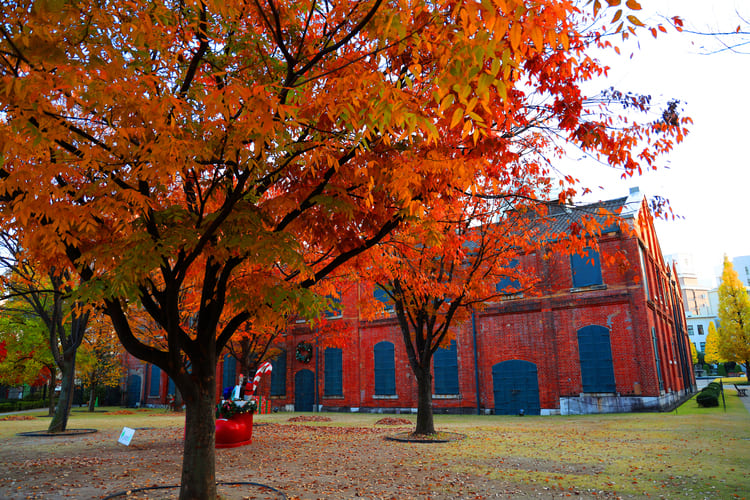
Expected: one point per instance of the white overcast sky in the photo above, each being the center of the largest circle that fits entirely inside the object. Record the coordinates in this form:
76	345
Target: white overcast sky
708	176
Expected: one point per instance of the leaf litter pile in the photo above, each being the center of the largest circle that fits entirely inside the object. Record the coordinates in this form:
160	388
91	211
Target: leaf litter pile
17	417
584	458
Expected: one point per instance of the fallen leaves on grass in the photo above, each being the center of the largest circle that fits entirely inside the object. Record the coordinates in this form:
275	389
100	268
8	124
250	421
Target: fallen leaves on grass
18	417
437	437
393	421
307	418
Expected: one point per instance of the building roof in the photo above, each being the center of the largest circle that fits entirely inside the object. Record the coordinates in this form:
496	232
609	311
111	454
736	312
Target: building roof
562	218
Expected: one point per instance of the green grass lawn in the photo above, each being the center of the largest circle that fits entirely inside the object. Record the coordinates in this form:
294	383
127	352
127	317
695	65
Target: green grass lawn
689	453
692	452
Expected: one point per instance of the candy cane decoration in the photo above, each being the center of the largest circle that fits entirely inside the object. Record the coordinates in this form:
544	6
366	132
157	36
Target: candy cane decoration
264	368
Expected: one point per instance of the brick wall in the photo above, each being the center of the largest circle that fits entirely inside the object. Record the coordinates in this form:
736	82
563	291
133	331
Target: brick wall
636	301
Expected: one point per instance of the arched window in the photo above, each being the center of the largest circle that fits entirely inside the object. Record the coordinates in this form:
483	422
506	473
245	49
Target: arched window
445	364
385	369
333	372
278	374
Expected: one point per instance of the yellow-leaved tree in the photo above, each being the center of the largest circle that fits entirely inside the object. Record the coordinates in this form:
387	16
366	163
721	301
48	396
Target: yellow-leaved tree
734	318
693	353
100	358
712	355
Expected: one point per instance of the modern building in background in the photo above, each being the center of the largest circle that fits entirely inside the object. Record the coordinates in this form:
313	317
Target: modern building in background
696	299
700	300
694	292
742	266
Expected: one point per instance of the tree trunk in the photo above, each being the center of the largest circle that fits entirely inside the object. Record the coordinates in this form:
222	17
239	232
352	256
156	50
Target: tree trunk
59	421
52	385
92	397
425	423
198	459
178	401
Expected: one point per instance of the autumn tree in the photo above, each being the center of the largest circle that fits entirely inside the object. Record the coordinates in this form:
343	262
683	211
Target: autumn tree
434	274
251	347
46	296
733	336
160	151
27	357
712	355
256	342
100	360
693	353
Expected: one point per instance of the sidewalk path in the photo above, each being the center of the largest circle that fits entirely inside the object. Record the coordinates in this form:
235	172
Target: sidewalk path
746	402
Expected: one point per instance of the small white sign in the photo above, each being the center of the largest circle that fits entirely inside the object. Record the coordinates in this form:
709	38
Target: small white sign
126	436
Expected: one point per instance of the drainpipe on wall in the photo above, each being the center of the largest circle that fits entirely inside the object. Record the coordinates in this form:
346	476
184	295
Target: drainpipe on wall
476	359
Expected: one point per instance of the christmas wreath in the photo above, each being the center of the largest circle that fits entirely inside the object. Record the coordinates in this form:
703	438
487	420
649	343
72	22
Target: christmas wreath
227	408
304	352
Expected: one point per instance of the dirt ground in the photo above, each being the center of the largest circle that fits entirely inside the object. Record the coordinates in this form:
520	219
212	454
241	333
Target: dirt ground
298	460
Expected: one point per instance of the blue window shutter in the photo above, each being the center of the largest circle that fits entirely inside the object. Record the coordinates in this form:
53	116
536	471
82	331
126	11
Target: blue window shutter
155	381
595	353
229	373
383	297
333	372
336	311
385	369
515	387
171	388
656	357
506	282
278	374
445	364
586	268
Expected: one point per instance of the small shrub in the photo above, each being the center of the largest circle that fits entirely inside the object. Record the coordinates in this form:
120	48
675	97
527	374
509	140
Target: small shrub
7	406
31	405
707	398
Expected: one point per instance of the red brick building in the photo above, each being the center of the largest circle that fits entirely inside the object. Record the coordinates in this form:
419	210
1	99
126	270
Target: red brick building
598	336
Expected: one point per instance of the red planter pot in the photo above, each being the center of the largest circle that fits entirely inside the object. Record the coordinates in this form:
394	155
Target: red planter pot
235	431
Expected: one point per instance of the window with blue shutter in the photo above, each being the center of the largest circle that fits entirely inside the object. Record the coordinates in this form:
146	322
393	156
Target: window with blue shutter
507	284
586	268
171	388
229	373
595	354
657	358
335	311
278	374
445	364
153	389
333	372
383	297
385	369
